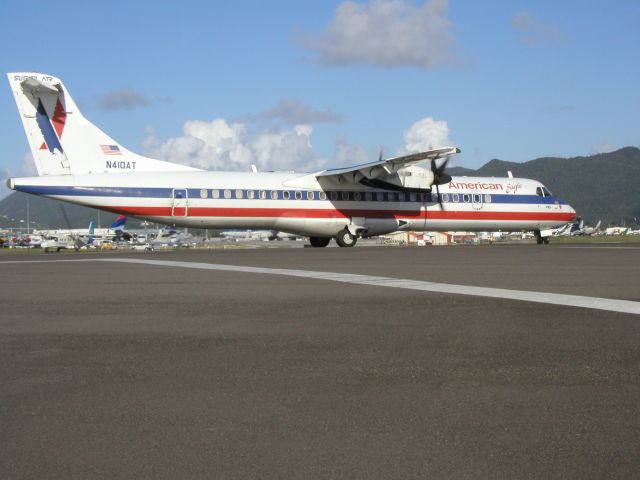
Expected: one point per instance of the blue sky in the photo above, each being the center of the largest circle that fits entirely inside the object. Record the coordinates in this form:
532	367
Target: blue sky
290	84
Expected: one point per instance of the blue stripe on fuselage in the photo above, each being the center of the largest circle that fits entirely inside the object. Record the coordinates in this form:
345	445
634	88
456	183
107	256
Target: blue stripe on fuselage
195	193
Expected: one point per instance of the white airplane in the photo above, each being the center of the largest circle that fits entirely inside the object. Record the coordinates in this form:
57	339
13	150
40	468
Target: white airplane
265	235
79	163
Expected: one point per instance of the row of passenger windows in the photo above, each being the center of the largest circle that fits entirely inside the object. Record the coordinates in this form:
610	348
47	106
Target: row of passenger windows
345	196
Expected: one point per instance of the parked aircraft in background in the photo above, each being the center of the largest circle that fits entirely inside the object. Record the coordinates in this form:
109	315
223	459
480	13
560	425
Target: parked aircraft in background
264	235
91	234
253	235
577	228
79	163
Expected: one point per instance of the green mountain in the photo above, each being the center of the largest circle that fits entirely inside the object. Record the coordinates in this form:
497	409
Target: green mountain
44	213
600	187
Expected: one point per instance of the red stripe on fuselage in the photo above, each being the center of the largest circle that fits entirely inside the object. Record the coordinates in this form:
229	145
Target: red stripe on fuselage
345	213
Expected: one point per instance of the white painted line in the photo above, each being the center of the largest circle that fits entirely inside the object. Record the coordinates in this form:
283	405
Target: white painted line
608	304
608	247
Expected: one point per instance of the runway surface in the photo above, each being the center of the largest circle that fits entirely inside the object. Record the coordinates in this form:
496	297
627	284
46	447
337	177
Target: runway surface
321	363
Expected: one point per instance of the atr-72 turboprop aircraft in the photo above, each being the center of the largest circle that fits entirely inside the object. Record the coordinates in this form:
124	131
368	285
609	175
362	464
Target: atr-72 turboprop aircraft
79	163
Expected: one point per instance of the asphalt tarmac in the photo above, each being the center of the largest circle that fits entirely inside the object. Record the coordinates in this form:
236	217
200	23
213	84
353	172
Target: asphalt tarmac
133	370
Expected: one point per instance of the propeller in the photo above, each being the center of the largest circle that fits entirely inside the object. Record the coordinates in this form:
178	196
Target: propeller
439	176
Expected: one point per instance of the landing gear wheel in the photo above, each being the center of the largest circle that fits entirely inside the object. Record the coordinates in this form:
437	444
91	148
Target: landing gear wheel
345	239
540	239
319	241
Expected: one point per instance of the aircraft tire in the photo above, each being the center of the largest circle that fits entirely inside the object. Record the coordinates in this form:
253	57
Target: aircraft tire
319	241
345	239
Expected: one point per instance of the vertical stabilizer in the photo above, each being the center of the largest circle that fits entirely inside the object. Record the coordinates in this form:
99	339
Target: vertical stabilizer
62	141
43	112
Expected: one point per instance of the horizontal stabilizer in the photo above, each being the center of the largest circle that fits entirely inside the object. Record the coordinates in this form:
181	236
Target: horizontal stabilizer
35	86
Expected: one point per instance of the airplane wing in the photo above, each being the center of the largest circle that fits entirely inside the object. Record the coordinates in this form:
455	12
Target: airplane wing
383	167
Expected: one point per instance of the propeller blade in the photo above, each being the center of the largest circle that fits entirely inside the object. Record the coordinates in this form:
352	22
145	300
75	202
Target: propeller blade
439	175
439	197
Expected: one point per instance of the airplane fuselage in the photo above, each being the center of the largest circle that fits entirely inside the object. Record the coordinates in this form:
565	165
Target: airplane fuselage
305	205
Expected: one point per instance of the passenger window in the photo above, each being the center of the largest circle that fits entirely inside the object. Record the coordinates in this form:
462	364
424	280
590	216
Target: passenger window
412	197
465	198
345	196
251	194
286	195
227	194
274	194
356	196
401	196
263	195
239	194
204	193
323	196
215	193
310	196
477	198
487	198
298	195
334	196
368	196
380	196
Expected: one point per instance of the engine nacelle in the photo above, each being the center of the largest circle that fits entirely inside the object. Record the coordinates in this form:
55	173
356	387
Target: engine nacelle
412	177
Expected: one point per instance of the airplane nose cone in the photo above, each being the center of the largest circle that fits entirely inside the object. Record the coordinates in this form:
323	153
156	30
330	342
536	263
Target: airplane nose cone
573	213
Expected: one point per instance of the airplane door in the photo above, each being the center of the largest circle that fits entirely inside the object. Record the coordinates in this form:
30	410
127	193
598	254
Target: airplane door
180	202
476	200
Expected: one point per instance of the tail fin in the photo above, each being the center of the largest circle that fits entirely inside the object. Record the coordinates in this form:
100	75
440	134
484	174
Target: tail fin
62	141
119	222
91	238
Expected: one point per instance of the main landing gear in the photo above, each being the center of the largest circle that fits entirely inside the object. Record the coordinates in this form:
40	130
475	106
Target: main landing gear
346	239
540	239
319	241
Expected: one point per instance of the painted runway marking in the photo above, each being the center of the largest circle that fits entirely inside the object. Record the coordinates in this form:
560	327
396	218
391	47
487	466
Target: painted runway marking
612	305
603	248
608	304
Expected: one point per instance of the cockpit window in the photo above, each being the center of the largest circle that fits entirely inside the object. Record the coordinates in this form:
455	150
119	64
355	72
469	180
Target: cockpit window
539	192
547	193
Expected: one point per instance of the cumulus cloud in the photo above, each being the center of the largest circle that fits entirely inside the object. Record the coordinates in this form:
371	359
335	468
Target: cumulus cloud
219	145
28	168
347	154
387	33
294	112
222	145
603	147
532	30
427	134
4	190
123	99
